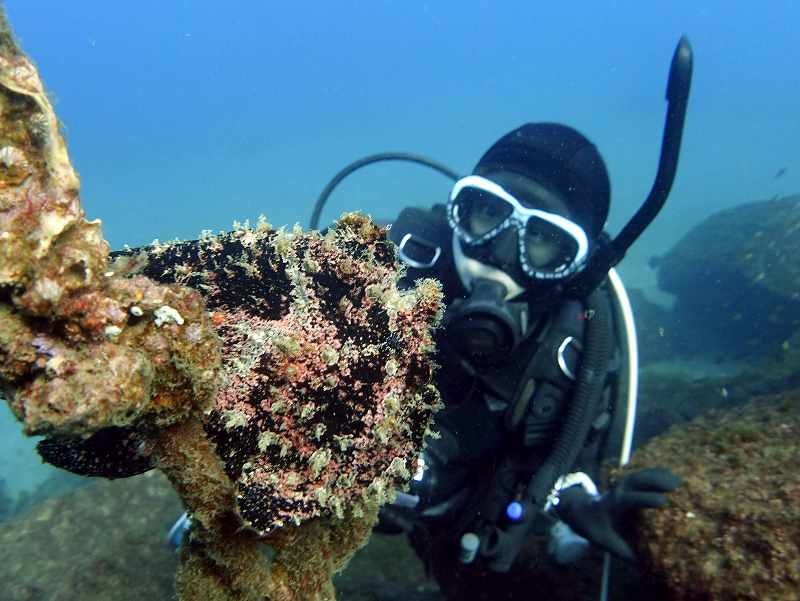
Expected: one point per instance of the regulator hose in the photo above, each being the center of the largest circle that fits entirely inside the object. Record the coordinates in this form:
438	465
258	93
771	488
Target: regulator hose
591	380
368	160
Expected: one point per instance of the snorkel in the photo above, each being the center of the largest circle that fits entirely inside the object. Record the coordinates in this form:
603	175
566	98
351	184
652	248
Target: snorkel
609	253
606	252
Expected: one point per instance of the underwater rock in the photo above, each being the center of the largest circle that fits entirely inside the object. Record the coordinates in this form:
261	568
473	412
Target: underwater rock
107	542
104	542
6	504
279	379
737	281
732	529
386	569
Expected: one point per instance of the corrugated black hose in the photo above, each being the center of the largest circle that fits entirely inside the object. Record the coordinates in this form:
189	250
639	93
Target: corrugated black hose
582	411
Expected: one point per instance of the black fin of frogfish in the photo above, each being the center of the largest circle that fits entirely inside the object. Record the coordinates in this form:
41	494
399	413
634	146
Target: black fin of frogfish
108	453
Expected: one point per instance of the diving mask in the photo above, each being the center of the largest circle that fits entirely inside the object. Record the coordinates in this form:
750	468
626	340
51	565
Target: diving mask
550	246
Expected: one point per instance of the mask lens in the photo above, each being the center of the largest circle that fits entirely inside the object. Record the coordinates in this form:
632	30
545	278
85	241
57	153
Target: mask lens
548	246
478	212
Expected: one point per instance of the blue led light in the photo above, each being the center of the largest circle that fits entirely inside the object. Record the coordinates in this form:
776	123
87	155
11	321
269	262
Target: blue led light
514	510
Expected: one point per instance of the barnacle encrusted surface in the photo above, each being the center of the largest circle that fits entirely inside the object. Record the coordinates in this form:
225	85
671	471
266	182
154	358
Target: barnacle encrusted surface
326	393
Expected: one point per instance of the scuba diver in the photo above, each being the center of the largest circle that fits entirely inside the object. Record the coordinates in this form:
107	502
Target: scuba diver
537	355
527	368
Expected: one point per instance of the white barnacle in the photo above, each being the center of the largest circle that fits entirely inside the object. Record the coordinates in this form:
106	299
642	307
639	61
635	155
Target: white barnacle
112	332
48	289
39	126
279	405
156	248
345	442
50	225
12	157
337	505
282	242
376	491
346	480
262	225
23	73
286	344
249	238
238	226
136	311
307	412
392	402
391	367
165	314
311	265
53	366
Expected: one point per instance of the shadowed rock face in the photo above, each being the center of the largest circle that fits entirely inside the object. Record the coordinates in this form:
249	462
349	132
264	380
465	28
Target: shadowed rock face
736	278
732	529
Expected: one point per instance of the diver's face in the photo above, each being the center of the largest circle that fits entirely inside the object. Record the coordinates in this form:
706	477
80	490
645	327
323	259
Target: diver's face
542	244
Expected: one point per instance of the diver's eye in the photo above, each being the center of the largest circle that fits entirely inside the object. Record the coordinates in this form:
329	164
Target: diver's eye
479	212
545	245
487	211
537	237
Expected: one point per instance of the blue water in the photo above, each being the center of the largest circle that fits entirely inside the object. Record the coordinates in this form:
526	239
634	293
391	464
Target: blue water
185	115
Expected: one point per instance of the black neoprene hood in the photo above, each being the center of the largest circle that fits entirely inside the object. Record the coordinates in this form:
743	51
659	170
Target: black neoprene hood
561	159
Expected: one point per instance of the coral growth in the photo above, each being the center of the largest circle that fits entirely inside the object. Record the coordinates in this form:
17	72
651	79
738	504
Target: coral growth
279	379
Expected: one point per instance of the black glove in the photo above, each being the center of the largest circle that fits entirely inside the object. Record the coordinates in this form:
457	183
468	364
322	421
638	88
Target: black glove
598	519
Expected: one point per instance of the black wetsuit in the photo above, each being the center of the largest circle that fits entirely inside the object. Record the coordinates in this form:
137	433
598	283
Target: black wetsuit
491	441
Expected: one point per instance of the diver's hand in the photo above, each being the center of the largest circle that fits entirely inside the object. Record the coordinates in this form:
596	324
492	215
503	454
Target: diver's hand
598	519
